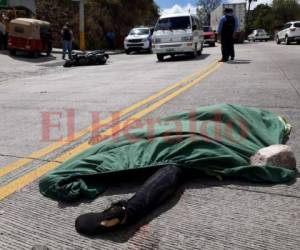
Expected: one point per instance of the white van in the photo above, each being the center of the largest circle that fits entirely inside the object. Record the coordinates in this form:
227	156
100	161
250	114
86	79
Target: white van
177	34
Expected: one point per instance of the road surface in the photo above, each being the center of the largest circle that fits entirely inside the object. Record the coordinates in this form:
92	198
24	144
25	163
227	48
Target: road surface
41	102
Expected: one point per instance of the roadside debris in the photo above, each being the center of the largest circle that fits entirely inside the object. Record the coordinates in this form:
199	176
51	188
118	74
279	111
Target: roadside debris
275	155
98	57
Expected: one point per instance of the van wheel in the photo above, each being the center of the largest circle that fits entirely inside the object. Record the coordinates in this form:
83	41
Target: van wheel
194	53
160	57
199	52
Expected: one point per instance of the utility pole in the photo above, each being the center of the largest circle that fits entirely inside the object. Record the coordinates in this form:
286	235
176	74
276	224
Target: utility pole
248	14
81	24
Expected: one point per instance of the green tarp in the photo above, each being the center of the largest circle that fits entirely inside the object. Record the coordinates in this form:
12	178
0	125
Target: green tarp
217	140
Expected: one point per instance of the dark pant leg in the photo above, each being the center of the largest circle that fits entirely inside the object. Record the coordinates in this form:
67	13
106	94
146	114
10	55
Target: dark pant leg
157	189
232	52
1	41
225	48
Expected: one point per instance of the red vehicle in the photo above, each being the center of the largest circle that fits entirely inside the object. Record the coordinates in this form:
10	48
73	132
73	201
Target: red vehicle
29	35
209	36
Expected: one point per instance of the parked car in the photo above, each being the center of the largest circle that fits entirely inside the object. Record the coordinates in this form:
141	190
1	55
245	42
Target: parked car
259	35
289	33
139	39
209	36
29	35
177	34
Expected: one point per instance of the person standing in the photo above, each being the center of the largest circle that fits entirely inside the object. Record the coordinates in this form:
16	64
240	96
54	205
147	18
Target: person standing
2	36
4	28
227	26
67	37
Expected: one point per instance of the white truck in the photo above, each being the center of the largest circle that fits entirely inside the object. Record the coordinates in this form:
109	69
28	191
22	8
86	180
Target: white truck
239	10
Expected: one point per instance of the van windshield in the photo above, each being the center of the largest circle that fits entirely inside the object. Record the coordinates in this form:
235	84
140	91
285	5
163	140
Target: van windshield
174	23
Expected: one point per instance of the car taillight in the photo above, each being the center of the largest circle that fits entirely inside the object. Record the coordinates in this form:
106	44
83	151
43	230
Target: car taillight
292	29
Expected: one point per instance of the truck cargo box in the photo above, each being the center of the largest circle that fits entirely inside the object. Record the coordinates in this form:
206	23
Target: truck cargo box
239	11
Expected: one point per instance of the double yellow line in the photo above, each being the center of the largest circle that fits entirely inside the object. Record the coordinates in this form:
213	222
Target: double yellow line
176	88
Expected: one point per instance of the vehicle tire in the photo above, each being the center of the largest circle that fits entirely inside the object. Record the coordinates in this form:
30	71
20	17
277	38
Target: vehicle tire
278	40
213	44
49	51
199	52
68	64
34	54
127	51
12	52
287	41
160	57
298	42
150	48
193	54
83	61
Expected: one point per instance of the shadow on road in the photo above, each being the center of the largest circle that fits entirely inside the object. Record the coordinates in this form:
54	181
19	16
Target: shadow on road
239	62
179	58
24	57
142	52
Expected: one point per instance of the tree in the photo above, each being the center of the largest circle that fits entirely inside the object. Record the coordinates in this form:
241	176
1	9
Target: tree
285	11
261	17
102	16
206	7
272	17
248	14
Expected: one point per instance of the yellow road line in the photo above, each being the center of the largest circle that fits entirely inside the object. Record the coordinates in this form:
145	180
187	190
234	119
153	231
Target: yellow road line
28	178
51	148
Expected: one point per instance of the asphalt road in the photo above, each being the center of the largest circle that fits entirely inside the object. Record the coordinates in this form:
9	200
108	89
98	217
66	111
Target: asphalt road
209	214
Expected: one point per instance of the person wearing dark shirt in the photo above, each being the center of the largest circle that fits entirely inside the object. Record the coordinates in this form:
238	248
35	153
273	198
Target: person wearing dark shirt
227	26
67	37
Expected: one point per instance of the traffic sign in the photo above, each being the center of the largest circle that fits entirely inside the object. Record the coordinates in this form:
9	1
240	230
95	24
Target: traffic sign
3	3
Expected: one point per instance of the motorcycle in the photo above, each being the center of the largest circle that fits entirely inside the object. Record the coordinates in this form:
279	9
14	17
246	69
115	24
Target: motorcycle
98	57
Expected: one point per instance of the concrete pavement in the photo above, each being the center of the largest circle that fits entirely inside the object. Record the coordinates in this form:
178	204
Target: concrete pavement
206	214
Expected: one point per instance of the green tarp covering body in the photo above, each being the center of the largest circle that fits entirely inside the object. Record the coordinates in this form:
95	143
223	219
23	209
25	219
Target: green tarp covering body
217	140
